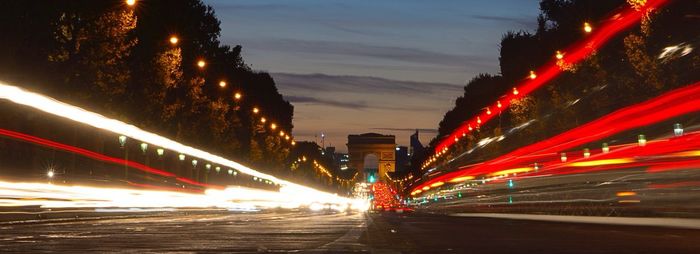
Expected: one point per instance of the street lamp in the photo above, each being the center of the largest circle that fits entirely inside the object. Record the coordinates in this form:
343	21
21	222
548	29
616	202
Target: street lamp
218	169
642	140
263	120
50	173
144	146
130	2
281	133
255	110
122	140
559	55
273	126
237	96
563	157
678	130
587	27
173	40
160	151
194	163
201	63
586	153
181	157
222	84
533	75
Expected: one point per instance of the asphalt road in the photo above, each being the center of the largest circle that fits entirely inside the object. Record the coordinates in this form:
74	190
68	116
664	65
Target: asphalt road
338	233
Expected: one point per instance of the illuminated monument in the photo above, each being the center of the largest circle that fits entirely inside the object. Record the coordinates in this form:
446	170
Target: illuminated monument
381	146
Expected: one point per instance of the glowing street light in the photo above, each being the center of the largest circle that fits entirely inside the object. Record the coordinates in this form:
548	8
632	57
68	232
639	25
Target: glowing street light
606	148
208	166
563	157
515	91
217	169
222	84
533	75
294	142
559	55
586	153
587	27
50	173
678	130
237	95
201	63
256	110
263	120
144	146
181	157
174	40
273	126
642	140
122	140
194	163
281	133
160	151
286	137
130	2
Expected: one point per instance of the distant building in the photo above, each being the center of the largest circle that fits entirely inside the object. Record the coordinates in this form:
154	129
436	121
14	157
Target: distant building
402	159
342	159
416	147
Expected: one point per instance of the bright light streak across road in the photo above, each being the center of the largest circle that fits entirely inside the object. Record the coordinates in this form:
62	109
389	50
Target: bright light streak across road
674	103
54	107
58	196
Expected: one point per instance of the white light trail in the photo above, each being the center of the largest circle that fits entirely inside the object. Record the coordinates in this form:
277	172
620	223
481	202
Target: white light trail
47	195
57	108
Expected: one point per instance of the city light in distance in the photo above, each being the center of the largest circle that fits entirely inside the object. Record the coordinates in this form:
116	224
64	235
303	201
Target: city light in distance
222	83
201	63
237	95
130	2
587	27
173	40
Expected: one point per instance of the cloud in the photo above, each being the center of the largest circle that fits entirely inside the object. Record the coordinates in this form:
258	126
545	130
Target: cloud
342	83
527	21
354	49
328	102
407	130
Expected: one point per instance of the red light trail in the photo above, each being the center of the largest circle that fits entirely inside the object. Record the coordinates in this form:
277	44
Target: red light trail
574	54
672	104
100	157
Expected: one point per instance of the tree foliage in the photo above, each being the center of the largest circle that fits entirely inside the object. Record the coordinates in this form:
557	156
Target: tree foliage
629	69
117	60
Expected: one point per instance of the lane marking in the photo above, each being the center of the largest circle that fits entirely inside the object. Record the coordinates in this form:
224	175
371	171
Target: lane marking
626	221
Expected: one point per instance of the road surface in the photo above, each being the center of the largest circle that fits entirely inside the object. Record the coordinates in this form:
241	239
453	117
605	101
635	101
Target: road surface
306	232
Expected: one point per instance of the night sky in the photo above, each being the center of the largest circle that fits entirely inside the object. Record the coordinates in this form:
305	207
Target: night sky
351	67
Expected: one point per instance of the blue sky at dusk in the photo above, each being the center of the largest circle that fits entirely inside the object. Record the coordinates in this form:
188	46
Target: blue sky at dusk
351	67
